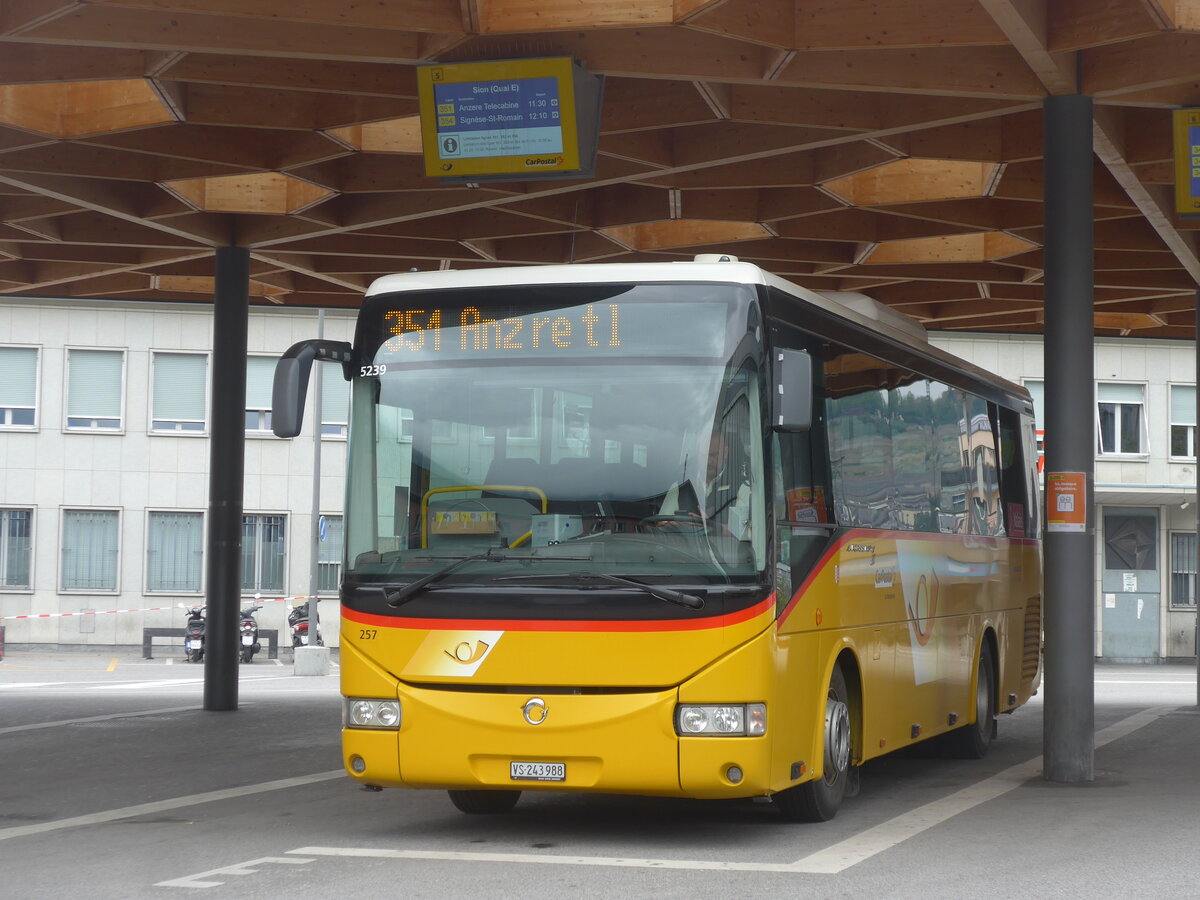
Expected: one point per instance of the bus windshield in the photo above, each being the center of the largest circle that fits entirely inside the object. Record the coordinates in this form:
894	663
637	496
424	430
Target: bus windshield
564	432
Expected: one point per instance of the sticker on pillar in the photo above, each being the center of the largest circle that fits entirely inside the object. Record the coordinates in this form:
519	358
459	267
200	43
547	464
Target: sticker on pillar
1066	501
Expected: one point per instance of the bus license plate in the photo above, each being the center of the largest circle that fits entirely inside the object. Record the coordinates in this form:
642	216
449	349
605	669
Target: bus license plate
538	771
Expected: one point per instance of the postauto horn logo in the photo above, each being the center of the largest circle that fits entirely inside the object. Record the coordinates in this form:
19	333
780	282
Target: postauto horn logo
537	162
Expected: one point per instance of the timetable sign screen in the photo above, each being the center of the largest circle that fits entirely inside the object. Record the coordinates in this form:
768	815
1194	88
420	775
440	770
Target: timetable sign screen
1187	162
514	117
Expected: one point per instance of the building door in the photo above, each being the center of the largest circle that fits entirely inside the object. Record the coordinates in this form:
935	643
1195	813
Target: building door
1131	584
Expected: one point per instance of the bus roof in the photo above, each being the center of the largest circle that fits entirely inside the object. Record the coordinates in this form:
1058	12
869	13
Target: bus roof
860	309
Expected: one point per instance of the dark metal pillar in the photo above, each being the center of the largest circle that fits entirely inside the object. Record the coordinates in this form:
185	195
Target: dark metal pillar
223	556
1069	741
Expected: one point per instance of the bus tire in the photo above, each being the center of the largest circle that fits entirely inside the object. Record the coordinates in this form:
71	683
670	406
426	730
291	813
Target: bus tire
820	799
484	802
974	740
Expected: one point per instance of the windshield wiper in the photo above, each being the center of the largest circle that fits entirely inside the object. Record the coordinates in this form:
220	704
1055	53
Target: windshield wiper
400	596
679	598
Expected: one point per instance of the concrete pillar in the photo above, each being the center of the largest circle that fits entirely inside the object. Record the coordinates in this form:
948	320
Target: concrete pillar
223	550
1069	734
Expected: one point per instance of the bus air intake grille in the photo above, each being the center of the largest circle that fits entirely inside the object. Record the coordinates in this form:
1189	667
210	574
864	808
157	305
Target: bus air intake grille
1033	639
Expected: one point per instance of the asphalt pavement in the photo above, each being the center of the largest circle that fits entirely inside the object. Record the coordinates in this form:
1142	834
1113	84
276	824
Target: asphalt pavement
115	783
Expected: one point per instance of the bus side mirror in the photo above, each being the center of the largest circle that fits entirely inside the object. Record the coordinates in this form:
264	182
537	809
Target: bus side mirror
291	381
792	391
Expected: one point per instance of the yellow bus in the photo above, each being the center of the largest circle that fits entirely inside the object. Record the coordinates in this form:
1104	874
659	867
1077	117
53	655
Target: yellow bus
678	529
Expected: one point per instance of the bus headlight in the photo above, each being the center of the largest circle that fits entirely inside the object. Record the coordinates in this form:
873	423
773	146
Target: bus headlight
721	719
363	712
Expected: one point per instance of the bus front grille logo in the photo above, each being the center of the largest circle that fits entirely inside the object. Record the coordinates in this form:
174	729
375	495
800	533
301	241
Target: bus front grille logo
535	711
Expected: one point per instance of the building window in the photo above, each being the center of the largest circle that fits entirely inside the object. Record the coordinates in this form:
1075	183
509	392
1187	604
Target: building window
89	550
260	378
329	555
95	389
264	553
335	400
174	552
1120	423
1183	421
1037	390
16	545
180	392
1183	570
18	387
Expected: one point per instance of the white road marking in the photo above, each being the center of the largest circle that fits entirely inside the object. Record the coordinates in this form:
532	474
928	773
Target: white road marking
888	834
830	861
604	861
201	879
170	682
134	685
158	806
14	685
122	715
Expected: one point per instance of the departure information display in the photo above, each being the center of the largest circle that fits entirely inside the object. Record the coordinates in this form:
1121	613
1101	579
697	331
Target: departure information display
499	118
1187	162
496	118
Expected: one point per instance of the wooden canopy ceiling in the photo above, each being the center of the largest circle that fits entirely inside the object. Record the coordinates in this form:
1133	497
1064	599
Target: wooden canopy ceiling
887	146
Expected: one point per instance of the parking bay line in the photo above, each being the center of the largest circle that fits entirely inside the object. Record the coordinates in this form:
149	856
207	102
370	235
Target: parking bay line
830	861
121	715
158	806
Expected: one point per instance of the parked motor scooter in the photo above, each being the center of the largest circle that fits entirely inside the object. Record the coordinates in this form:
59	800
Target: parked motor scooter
298	619
193	634
248	627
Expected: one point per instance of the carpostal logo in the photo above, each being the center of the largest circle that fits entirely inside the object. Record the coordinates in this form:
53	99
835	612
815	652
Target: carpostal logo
539	162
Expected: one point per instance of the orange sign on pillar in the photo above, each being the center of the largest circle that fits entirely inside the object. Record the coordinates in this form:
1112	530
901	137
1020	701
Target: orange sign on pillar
1066	501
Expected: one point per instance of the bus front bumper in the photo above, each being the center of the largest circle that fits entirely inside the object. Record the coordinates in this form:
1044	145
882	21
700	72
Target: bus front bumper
610	743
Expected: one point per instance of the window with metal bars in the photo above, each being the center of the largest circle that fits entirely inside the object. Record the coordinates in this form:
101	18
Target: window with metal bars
16	543
1183	570
264	553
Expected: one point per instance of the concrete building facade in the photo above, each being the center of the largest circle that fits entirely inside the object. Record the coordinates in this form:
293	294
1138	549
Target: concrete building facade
104	413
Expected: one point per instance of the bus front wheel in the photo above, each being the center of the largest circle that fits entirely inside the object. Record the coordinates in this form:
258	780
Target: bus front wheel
484	802
819	800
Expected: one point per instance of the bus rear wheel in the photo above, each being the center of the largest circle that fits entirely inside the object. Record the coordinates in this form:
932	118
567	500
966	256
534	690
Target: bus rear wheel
484	802
973	741
820	799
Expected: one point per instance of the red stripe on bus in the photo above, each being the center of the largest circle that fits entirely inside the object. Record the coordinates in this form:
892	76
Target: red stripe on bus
733	618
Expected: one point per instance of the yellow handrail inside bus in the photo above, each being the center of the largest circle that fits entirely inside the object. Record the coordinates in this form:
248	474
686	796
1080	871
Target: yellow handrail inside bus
477	487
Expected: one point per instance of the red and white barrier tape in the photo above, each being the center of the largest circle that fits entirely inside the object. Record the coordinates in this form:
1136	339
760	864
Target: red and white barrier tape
109	612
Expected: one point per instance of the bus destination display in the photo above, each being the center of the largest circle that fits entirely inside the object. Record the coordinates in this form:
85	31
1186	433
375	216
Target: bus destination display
428	334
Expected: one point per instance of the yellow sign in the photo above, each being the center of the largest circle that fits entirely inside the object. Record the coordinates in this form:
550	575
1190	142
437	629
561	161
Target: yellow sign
465	522
502	117
1187	161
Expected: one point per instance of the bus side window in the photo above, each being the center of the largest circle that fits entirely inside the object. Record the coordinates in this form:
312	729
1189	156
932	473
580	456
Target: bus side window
979	450
949	426
1014	484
